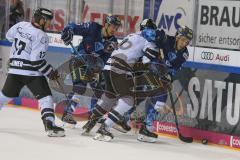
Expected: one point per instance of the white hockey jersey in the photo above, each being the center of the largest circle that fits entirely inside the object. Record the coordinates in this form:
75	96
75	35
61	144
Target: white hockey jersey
132	48
28	50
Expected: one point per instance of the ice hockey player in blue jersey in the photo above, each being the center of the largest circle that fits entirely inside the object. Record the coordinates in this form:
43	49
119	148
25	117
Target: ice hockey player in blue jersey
174	53
118	73
98	42
28	67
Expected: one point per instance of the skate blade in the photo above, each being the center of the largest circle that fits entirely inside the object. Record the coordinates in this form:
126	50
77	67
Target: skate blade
119	128
85	133
55	134
101	137
144	138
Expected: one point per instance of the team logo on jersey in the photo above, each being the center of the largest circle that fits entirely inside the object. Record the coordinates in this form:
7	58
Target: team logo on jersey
171	56
44	40
185	55
98	46
168	63
23	34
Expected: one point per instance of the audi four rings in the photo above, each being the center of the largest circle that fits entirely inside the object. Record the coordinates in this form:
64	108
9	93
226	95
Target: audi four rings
207	55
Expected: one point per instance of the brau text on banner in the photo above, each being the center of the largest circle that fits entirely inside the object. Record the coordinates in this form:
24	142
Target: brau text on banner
218	24
214	15
206	38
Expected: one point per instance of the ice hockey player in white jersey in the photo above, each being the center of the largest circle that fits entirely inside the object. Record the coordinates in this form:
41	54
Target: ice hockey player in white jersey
27	66
118	74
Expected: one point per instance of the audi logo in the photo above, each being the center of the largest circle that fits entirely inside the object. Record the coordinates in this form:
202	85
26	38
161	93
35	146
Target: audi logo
207	55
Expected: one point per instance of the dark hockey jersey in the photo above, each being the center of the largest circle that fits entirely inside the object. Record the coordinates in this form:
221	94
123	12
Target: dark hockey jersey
173	58
92	41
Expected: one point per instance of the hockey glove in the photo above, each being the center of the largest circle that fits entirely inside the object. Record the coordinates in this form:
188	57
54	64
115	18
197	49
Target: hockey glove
160	38
67	35
53	75
110	46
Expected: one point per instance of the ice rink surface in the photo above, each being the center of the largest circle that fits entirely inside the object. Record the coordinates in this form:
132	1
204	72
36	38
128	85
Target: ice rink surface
22	137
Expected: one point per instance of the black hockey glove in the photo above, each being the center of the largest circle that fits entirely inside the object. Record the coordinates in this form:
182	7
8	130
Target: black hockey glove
67	36
53	75
160	38
110	46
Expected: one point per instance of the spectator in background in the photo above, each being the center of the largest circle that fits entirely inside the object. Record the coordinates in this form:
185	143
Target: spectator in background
2	17
16	15
16	12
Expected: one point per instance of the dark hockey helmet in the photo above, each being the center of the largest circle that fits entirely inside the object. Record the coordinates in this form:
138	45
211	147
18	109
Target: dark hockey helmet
186	32
149	23
43	13
113	19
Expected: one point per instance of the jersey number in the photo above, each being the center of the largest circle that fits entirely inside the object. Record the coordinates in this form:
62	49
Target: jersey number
19	46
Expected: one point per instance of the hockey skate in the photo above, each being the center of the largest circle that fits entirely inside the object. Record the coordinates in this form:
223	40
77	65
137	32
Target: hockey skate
101	120
68	118
146	136
89	126
52	130
122	126
103	134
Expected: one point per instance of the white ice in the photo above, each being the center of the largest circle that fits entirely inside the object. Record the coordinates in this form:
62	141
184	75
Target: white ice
22	137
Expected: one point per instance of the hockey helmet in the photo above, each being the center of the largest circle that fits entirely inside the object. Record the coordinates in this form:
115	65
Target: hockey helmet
148	23
113	19
43	13
185	32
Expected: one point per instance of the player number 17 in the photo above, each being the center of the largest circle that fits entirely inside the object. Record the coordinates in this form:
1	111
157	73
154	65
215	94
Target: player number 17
19	46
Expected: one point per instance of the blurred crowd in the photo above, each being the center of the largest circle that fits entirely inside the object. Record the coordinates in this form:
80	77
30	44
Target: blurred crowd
16	14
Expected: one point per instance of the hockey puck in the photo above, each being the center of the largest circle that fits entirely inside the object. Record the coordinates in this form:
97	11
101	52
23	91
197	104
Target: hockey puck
204	141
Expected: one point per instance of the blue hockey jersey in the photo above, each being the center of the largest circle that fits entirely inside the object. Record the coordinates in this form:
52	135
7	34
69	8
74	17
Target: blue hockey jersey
173	58
93	41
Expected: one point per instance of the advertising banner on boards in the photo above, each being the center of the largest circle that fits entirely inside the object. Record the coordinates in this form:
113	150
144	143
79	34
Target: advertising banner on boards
218	24
209	100
170	15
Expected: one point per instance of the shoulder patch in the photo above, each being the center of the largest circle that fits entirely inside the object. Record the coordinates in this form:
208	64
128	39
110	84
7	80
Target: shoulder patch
44	40
185	55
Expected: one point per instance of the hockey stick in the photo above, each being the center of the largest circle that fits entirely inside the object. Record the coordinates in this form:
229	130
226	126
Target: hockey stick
76	52
181	137
62	89
65	94
74	49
